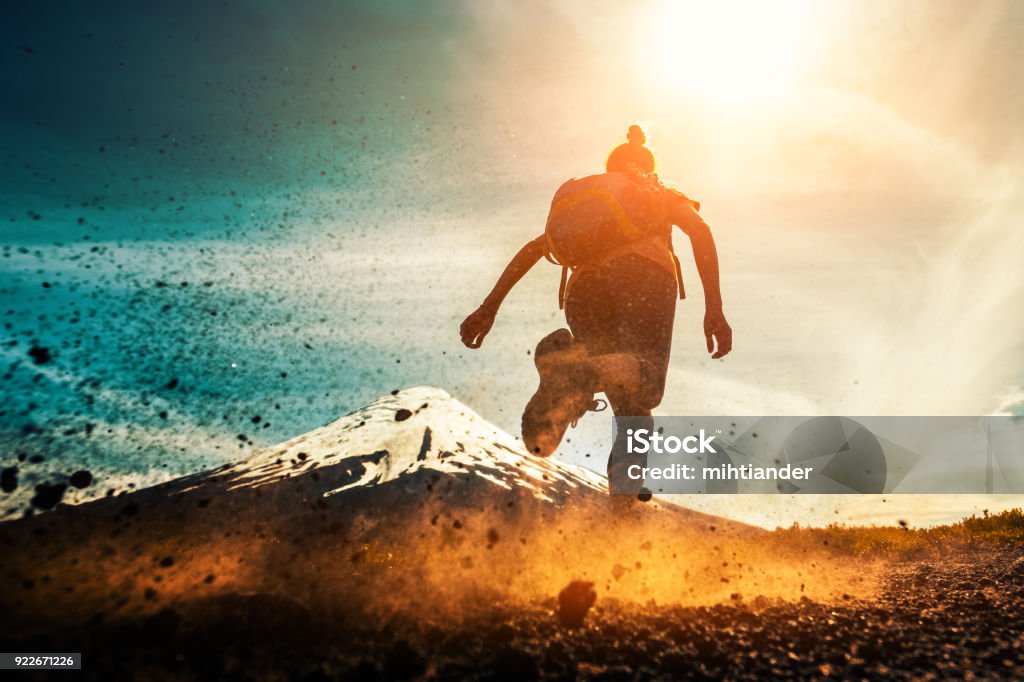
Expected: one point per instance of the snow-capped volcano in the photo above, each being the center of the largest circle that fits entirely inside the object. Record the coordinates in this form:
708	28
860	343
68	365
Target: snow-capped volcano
419	429
413	502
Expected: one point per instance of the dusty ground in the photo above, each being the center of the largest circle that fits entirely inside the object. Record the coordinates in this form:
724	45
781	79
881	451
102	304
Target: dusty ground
330	557
950	616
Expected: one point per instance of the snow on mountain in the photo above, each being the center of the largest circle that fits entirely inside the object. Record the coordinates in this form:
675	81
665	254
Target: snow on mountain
419	429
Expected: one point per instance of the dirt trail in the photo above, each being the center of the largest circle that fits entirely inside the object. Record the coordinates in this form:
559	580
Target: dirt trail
944	616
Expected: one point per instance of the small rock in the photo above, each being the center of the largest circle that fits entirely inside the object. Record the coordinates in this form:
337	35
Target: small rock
40	354
9	479
574	601
48	495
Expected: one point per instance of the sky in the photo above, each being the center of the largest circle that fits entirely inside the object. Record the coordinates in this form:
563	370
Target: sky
229	224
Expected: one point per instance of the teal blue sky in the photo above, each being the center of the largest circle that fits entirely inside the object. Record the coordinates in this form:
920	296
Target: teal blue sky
229	223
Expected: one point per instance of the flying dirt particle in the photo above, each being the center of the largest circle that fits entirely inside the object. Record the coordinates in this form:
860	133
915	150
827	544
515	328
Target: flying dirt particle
40	354
618	570
492	537
48	495
574	601
456	524
402	414
167	562
81	479
644	495
130	509
736	596
424	446
36	459
150	594
209	578
9	479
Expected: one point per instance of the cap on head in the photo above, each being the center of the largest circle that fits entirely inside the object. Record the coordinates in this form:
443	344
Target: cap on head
632	153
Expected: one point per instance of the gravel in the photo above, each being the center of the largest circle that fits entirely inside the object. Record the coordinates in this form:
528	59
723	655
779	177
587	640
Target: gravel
954	615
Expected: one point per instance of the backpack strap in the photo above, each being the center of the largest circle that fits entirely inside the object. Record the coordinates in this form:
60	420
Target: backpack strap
561	287
679	273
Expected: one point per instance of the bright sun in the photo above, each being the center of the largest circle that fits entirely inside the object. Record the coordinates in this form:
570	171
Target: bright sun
726	48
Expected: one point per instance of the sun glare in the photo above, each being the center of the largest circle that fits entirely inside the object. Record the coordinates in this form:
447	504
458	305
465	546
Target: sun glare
728	49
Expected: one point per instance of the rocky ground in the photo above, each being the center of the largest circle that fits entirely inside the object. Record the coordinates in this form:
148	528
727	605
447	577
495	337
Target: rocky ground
413	540
954	616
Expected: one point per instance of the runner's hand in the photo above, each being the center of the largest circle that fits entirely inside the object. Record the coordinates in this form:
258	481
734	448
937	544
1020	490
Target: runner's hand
475	327
717	329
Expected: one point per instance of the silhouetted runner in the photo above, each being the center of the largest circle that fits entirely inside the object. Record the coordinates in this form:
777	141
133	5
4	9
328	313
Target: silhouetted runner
620	309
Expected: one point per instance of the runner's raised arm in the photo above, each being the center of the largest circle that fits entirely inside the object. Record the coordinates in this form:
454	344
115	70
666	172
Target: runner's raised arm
475	327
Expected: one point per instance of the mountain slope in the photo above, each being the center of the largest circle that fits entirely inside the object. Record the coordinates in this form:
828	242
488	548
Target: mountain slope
413	504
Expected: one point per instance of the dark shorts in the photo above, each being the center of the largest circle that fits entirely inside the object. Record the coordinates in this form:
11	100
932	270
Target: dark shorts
627	306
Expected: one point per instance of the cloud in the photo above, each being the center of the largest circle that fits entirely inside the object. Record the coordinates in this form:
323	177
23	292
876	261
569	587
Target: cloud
1011	403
